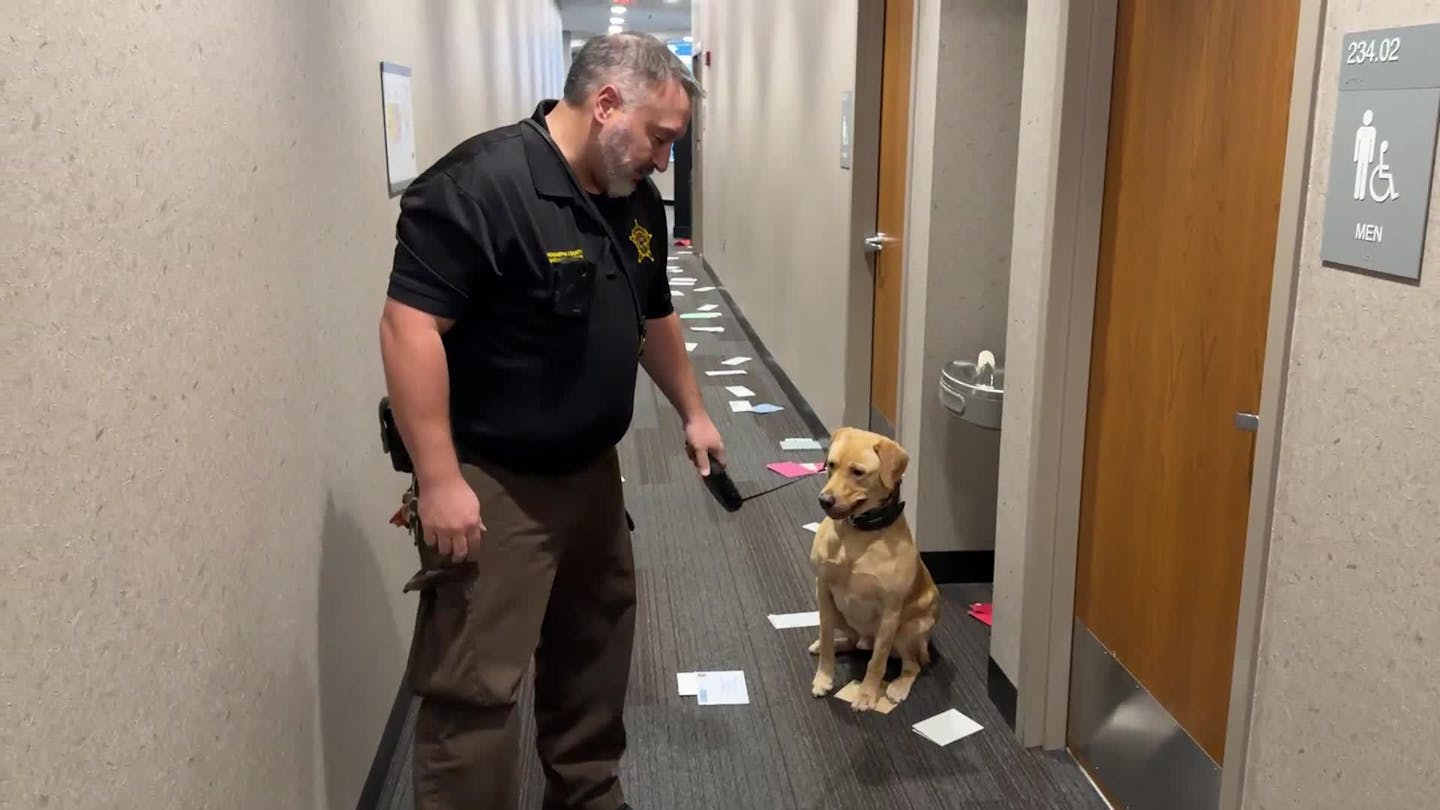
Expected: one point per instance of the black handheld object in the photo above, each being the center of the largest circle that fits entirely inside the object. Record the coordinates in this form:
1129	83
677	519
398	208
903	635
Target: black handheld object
722	488
390	439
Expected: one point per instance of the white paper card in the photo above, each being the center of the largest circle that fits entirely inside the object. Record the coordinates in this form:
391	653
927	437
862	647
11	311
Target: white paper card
682	280
709	307
726	373
799	444
721	688
711	329
690	347
705	289
739	405
785	621
811	527
740	391
686	683
946	728
735	361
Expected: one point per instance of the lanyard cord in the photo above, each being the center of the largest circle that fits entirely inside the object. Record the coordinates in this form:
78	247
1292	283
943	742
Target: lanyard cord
594	212
779	487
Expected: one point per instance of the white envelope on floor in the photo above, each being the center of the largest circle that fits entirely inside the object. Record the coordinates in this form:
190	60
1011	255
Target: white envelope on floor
946	728
721	688
687	684
786	621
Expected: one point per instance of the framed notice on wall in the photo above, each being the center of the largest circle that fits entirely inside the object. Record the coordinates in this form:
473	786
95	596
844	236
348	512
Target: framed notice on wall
398	102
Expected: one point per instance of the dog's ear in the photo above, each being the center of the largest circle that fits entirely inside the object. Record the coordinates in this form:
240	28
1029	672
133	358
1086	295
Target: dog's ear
893	461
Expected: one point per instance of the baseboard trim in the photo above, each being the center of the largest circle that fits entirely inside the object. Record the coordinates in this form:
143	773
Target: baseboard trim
960	567
812	420
1002	692
370	795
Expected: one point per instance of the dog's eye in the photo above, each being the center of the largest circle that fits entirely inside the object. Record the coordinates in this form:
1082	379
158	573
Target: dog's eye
857	472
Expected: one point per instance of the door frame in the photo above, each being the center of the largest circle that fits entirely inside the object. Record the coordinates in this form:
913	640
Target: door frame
864	207
1084	57
697	143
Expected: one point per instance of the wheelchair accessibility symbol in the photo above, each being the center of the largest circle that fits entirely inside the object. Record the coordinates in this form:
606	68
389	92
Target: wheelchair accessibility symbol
1371	168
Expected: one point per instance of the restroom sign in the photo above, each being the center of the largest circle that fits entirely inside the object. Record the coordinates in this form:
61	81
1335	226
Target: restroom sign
1383	154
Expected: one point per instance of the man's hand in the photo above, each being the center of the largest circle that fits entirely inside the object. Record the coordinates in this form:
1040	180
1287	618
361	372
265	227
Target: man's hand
450	516
668	364
418	380
701	441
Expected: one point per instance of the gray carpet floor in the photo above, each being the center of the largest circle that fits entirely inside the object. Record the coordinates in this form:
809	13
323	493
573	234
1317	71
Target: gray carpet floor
708	579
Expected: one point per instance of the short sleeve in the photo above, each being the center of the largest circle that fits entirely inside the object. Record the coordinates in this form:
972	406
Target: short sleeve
657	301
442	251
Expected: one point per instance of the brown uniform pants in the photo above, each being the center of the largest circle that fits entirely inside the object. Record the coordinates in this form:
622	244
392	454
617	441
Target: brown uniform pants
554	578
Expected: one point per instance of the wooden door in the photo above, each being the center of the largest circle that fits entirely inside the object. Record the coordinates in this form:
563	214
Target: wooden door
1198	122
890	214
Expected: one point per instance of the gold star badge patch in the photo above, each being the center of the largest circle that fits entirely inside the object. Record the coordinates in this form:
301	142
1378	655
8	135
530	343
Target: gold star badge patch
640	238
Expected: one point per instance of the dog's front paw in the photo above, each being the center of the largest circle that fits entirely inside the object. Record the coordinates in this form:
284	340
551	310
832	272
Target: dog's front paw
865	699
897	691
823	683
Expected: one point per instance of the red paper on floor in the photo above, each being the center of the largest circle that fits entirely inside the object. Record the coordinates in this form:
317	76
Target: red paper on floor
793	469
980	611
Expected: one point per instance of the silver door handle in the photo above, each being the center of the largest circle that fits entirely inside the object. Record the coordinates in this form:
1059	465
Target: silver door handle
878	242
1248	422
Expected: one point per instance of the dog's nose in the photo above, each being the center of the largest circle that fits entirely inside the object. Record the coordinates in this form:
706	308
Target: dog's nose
826	500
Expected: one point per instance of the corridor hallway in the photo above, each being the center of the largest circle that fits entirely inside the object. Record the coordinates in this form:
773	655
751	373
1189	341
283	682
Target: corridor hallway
706	582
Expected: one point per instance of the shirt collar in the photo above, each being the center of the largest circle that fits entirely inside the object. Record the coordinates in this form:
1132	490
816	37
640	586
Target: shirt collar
548	169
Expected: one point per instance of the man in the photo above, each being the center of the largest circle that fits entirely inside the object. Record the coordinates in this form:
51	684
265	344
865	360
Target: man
515	323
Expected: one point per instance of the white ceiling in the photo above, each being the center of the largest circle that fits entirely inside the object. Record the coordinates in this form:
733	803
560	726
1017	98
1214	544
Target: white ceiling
588	17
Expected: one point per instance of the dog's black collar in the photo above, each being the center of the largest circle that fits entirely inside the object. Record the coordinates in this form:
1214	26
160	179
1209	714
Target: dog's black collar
881	516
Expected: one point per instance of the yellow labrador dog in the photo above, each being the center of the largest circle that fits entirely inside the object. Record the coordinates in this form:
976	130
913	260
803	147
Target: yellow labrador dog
873	590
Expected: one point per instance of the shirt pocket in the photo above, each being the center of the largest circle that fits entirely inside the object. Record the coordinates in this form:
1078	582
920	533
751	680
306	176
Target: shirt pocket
572	287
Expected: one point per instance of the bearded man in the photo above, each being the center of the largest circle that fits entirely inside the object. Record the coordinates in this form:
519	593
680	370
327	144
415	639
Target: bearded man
528	287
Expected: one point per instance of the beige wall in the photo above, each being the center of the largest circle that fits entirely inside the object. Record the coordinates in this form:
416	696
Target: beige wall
966	131
776	218
1347	700
665	182
201	596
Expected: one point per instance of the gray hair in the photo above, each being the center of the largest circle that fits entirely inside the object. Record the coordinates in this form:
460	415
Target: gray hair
632	61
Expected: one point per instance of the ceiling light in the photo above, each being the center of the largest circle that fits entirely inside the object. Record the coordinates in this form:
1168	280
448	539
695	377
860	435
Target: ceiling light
617	20
617	9
615	29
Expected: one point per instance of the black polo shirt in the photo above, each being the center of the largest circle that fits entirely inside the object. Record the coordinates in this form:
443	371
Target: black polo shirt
545	348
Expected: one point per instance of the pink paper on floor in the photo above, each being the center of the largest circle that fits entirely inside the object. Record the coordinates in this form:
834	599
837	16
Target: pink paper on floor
794	469
980	611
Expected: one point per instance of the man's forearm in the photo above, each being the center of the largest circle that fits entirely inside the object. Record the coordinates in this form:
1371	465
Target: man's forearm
419	386
668	364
